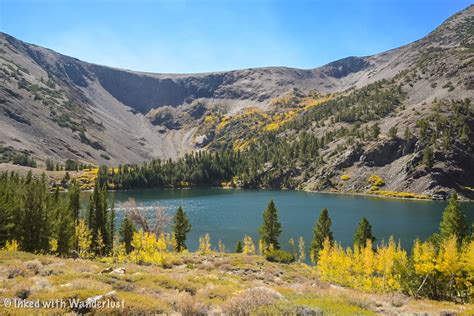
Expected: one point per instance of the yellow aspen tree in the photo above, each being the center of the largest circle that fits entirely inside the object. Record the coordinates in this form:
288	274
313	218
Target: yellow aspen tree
386	258
468	266
424	257
221	246
347	266
293	250
11	245
324	263
138	243
205	244
335	258
249	247
369	265
119	253
84	238
448	261
161	246
261	247
53	246
161	243
357	266
302	251
271	248
401	260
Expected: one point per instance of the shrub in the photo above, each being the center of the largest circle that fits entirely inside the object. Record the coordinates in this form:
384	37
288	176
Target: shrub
376	180
11	245
280	256
345	177
189	305
246	302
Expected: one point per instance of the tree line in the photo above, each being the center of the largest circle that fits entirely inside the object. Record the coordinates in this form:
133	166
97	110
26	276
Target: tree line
34	220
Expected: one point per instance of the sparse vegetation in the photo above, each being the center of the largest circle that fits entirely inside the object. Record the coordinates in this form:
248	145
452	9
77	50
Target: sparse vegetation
443	262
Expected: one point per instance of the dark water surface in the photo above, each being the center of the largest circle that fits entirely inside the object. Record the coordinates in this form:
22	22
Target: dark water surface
229	214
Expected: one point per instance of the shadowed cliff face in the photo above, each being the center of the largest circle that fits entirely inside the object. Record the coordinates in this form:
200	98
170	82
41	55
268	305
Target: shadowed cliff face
144	93
147	91
343	67
58	107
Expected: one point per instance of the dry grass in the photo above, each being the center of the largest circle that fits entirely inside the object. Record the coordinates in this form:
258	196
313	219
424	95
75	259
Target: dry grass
197	284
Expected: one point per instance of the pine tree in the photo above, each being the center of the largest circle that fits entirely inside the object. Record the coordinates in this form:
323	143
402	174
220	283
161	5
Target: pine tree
111	233
392	132
74	201
363	232
375	131
238	247
126	234
98	218
34	226
322	230
453	221
428	158
180	228
271	227
63	227
100	243
407	133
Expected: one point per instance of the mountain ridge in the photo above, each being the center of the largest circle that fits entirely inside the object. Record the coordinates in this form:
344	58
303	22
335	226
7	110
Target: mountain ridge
59	107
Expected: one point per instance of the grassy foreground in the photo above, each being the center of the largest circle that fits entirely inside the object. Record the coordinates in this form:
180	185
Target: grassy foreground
233	284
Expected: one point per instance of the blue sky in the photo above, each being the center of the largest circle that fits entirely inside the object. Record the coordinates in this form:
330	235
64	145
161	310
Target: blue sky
199	36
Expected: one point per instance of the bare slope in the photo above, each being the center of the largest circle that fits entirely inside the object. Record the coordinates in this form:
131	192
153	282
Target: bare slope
56	106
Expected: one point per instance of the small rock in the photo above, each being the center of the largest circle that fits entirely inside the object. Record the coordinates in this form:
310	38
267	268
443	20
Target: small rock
308	311
106	270
75	255
119	271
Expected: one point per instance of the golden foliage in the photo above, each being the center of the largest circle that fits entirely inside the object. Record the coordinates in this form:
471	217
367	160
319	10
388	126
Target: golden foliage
53	245
148	249
12	245
211	119
403	195
249	247
345	177
83	238
451	264
241	145
301	250
297	105
364	267
205	244
381	270
423	258
223	123
376	180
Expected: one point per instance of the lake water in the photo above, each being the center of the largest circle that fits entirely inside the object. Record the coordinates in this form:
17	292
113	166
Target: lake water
229	214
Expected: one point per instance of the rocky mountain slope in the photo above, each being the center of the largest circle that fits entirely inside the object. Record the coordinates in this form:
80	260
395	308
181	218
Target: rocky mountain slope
390	108
137	116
